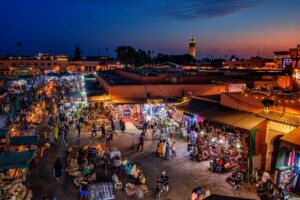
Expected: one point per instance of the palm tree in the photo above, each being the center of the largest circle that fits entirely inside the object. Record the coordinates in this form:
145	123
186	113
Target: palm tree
19	44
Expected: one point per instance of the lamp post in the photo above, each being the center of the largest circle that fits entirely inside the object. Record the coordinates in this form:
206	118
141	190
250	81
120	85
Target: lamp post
297	51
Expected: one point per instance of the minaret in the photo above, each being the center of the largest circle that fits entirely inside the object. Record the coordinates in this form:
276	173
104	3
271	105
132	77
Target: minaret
192	47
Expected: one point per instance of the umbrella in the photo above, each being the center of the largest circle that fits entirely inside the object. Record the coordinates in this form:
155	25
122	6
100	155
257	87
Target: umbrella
17	103
12	109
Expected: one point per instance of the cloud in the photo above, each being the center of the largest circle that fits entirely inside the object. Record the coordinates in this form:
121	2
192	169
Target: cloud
177	9
192	9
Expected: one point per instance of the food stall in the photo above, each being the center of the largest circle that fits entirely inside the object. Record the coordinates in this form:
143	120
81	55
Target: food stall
4	138
13	166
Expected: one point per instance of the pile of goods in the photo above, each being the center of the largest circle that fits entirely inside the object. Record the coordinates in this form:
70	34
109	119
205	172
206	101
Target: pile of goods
137	173
14	189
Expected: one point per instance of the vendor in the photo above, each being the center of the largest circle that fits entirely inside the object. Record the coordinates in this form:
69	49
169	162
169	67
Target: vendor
92	177
83	190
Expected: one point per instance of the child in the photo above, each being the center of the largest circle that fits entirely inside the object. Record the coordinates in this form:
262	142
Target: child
173	149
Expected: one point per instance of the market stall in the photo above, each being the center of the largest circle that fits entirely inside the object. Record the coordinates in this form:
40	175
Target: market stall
287	163
24	140
14	167
229	138
36	115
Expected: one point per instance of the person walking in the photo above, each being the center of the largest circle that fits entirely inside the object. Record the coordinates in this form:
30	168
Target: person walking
164	148
108	138
153	134
173	148
51	137
103	129
63	137
160	148
55	131
112	125
78	128
94	131
141	143
57	169
167	154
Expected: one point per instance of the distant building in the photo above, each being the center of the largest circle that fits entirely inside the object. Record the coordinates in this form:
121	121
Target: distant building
253	63
287	59
44	63
192	47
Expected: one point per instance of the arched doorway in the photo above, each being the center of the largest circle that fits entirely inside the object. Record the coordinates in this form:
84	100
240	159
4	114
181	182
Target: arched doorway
276	143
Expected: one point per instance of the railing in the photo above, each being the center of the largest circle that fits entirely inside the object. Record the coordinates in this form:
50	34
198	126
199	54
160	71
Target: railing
277	93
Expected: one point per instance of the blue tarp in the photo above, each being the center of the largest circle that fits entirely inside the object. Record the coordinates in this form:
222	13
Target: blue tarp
4	132
14	160
24	140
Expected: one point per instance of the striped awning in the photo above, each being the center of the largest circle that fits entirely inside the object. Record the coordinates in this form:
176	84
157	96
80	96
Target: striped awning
292	139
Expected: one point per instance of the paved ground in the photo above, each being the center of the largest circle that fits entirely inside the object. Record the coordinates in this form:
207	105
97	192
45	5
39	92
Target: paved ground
184	173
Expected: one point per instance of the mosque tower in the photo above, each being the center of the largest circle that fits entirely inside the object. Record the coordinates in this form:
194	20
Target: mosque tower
192	47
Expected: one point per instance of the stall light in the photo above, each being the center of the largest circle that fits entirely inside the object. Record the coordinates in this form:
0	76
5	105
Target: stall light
238	146
202	132
221	141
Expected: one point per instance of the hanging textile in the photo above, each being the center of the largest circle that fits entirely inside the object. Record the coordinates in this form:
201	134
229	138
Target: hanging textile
287	156
252	145
296	161
282	158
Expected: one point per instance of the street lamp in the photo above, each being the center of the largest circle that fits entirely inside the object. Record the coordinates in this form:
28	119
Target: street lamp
298	46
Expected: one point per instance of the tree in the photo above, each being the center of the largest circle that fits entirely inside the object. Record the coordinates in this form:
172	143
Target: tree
232	57
77	53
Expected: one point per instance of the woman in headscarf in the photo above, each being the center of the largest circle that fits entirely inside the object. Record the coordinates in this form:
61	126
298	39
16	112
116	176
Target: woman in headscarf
55	131
164	148
167	154
57	170
160	148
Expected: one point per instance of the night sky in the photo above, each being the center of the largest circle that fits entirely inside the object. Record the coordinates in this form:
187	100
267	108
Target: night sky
221	27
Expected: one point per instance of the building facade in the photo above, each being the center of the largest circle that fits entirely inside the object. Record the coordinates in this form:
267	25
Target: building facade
192	47
44	63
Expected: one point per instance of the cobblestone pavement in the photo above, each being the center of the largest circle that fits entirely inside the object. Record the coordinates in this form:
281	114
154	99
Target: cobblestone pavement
184	174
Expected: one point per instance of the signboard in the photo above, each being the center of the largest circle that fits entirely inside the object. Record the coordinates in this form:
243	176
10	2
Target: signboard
154	101
236	87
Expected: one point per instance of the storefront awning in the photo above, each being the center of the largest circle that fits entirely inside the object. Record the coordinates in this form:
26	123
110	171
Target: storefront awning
222	114
285	117
129	101
24	140
4	132
292	139
14	160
